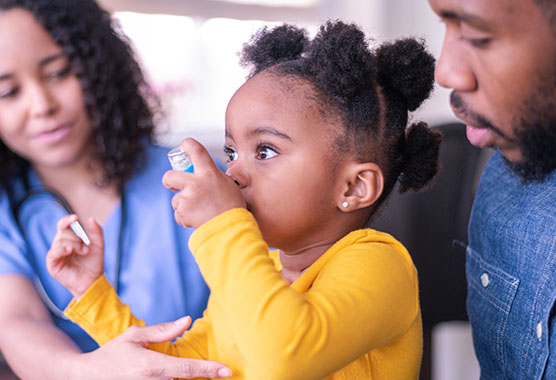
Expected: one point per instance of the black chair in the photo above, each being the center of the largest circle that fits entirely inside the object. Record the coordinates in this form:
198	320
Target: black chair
429	222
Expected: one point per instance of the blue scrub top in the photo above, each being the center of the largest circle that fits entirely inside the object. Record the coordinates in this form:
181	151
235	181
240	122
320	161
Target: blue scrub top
159	277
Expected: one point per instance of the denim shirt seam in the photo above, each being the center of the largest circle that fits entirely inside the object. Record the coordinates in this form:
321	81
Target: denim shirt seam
540	304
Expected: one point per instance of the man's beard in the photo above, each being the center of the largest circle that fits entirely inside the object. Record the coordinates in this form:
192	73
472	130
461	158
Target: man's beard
536	131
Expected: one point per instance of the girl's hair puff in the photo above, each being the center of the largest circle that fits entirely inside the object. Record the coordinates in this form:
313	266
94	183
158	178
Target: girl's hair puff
370	91
116	96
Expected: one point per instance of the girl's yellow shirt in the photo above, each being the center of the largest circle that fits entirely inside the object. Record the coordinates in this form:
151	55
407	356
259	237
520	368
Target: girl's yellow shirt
353	314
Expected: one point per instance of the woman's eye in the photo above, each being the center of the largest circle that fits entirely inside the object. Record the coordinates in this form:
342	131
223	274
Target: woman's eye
265	152
9	93
60	74
230	154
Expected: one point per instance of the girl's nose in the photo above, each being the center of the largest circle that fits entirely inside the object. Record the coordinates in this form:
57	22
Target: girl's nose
237	172
42	102
453	69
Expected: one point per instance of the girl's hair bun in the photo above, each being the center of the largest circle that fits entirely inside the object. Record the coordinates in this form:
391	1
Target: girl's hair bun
420	162
340	61
269	47
407	68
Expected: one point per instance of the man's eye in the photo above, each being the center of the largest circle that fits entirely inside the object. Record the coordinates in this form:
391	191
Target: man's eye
231	154
479	42
265	152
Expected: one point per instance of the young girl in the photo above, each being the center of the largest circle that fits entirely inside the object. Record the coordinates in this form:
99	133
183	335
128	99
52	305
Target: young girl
316	139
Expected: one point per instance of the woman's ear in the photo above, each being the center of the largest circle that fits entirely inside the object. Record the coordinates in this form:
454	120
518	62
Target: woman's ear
363	185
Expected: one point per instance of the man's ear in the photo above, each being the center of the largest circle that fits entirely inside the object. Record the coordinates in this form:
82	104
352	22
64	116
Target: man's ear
363	185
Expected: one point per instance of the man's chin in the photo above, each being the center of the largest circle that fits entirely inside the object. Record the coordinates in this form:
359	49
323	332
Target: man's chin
512	155
538	149
530	171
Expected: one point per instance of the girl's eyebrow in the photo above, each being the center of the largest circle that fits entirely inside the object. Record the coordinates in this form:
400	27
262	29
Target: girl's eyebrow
228	135
267	131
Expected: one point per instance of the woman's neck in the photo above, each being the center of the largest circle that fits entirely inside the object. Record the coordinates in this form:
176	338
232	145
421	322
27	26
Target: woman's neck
78	183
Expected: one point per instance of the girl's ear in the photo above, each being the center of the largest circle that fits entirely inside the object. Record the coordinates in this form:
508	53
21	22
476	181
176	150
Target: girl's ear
363	185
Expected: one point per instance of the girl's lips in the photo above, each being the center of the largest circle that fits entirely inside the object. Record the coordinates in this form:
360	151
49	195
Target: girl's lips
54	135
478	136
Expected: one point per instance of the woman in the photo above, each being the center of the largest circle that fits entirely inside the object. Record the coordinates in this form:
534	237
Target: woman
75	119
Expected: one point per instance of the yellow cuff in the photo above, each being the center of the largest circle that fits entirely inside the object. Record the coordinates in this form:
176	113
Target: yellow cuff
100	286
85	310
216	224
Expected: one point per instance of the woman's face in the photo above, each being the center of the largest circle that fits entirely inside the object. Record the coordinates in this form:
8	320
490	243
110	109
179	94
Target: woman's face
42	114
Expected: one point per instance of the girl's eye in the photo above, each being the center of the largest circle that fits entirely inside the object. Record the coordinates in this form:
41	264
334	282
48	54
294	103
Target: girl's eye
230	154
265	152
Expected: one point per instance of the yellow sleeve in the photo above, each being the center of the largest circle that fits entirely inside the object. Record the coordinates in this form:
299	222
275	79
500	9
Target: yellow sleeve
363	298
103	316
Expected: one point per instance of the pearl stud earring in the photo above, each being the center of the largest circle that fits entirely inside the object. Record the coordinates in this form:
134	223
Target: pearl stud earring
345	204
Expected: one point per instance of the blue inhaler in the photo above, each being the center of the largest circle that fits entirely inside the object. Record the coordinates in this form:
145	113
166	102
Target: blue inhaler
180	160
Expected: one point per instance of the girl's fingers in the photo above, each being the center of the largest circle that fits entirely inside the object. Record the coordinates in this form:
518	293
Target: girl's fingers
65	222
199	155
66	247
95	232
175	180
176	201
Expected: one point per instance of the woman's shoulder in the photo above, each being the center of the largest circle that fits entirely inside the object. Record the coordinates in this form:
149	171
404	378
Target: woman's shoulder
147	181
155	163
157	159
16	192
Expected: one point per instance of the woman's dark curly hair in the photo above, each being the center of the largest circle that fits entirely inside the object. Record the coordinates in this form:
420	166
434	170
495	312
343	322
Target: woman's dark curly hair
548	8
370	91
115	93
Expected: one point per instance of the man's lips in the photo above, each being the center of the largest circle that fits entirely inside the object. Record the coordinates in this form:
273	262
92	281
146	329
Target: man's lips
480	137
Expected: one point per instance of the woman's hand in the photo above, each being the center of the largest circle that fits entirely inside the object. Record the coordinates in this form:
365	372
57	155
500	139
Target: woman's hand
127	357
204	194
71	262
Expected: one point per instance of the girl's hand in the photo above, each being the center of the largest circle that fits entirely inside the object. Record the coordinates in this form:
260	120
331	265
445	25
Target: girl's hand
71	262
203	194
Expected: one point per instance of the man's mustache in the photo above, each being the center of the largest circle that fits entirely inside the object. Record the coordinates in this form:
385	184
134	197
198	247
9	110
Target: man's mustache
473	118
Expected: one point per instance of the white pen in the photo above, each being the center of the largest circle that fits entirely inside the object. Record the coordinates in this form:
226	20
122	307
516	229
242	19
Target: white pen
80	232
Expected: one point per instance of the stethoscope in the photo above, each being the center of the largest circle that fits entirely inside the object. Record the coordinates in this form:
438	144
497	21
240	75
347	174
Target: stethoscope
32	192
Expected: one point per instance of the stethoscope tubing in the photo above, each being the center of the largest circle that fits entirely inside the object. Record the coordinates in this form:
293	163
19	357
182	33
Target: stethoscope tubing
32	192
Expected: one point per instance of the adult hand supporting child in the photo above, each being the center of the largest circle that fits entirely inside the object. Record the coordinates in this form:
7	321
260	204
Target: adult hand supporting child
126	357
203	194
71	262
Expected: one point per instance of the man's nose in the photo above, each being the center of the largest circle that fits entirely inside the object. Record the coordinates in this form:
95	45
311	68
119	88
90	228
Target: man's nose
453	69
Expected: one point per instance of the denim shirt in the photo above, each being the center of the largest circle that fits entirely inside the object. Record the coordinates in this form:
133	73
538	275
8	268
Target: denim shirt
511	275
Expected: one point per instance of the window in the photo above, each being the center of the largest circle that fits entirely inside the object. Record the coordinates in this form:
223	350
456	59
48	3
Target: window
193	66
189	50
